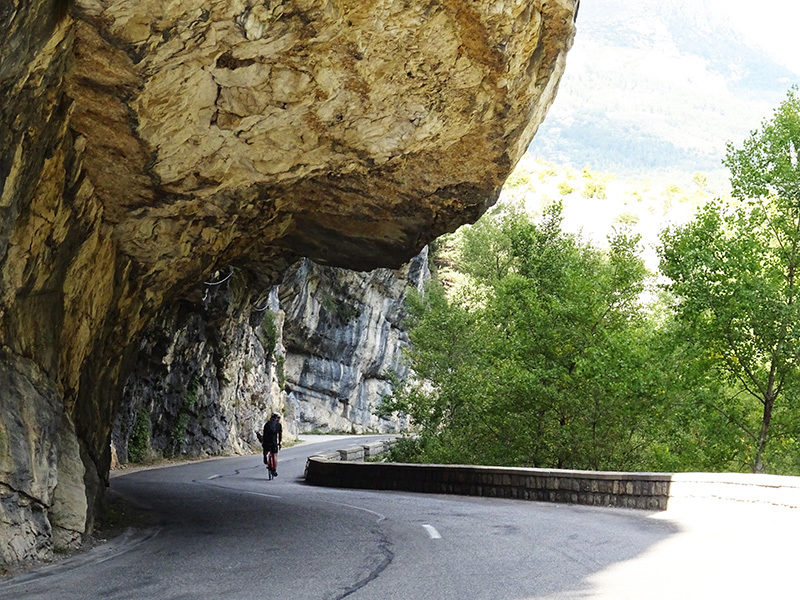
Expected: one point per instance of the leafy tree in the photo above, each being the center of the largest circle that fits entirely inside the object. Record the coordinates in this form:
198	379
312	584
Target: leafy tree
484	250
542	360
765	168
693	415
734	276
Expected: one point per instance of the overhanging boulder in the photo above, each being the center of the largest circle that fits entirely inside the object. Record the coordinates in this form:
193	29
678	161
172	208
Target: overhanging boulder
147	144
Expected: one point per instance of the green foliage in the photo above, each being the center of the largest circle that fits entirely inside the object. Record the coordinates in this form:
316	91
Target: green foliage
341	311
595	185
269	333
280	369
541	360
565	189
689	427
185	413
347	312
484	250
700	179
178	434
734	274
628	219
519	179
594	190
139	441
532	347
329	304
766	166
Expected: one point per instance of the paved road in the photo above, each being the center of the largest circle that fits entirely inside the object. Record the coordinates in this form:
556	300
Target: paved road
226	532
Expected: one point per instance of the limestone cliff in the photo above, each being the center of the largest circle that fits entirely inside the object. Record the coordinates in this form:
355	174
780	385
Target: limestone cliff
321	348
205	376
145	145
344	337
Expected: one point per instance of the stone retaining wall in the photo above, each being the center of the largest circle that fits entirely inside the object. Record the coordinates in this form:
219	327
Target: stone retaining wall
653	491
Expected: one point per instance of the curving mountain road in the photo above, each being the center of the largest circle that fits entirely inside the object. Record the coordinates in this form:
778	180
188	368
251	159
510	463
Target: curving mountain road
226	532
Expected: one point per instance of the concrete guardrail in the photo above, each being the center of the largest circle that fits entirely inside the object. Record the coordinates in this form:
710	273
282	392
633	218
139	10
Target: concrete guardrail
653	491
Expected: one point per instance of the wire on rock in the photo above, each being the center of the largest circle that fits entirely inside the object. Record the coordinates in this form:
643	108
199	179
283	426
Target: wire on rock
220	281
263	308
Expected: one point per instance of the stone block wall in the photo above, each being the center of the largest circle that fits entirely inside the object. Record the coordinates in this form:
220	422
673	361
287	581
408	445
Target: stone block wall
650	491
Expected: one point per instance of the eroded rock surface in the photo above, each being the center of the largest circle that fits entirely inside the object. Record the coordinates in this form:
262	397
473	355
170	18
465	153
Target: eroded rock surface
145	145
322	348
344	337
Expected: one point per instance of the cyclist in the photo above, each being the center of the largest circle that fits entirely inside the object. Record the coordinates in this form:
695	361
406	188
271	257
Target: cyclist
271	442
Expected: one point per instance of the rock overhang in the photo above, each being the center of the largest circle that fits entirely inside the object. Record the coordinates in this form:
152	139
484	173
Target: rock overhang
146	146
213	127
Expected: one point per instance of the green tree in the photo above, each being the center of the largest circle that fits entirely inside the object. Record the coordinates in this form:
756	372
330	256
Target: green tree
694	413
542	360
446	352
765	168
484	250
734	276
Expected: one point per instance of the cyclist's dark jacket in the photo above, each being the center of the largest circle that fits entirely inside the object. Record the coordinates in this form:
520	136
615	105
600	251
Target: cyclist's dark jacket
273	435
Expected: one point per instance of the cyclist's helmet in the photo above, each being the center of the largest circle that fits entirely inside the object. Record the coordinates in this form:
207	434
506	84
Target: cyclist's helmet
276	416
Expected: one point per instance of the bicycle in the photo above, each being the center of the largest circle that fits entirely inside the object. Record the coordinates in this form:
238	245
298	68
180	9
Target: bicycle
270	440
272	465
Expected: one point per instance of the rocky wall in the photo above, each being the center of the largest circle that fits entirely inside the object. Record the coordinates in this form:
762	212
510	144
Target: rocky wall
146	146
205	378
344	335
322	348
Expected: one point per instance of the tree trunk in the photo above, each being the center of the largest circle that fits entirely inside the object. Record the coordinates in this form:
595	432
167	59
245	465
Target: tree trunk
758	461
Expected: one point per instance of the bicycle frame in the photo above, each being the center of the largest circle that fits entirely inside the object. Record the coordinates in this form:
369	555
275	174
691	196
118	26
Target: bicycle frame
272	463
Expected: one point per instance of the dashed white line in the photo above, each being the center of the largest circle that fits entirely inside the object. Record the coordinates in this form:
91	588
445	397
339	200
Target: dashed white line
435	535
235	490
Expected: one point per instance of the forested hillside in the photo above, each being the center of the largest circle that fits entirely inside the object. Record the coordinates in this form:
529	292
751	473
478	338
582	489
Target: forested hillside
662	86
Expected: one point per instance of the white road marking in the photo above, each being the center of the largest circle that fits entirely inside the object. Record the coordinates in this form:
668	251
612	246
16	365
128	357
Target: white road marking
435	535
366	510
238	491
252	493
214	476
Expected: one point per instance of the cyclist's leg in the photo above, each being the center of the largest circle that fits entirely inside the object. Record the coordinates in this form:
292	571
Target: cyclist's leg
275	463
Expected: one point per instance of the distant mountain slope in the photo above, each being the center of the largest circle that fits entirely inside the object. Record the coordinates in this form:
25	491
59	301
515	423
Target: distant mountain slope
653	86
596	204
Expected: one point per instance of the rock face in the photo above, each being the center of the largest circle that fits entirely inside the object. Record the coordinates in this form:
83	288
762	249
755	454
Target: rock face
205	377
145	145
320	348
344	337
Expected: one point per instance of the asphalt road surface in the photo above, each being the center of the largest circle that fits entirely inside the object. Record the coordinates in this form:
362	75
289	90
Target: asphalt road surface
224	531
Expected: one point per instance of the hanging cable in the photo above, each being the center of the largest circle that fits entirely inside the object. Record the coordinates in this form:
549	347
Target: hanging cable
221	280
263	308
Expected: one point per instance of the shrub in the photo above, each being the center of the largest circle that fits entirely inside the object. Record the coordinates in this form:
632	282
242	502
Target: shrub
139	442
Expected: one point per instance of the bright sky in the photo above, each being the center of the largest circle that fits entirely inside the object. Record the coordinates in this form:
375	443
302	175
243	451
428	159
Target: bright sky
769	24
661	70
